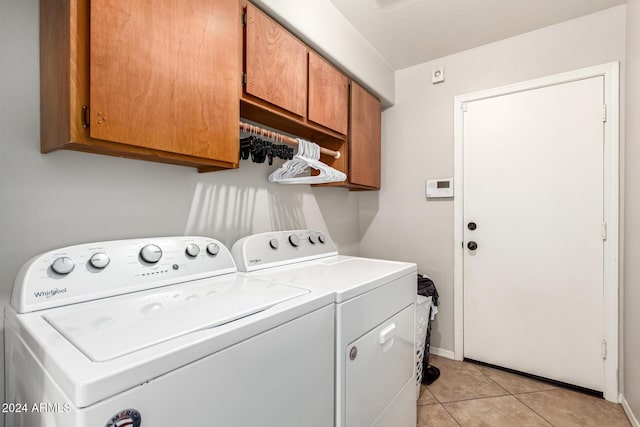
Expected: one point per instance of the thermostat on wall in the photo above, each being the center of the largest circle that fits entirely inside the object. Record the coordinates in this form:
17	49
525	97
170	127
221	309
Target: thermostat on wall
438	188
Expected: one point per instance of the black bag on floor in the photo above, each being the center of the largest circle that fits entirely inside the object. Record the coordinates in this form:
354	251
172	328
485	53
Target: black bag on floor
427	288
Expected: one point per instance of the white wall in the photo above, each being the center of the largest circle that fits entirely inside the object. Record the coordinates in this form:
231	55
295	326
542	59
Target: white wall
632	213
63	198
323	27
398	222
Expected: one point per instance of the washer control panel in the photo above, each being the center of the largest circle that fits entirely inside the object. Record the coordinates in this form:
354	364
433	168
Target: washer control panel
280	248
98	270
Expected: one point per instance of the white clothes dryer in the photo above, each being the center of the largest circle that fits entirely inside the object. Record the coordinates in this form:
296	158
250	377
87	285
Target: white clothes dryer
375	328
163	332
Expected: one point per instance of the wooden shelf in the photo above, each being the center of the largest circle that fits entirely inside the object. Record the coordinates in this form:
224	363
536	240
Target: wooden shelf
257	112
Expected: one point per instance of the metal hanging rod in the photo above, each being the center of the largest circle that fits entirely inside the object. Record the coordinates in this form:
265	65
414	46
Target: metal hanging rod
246	127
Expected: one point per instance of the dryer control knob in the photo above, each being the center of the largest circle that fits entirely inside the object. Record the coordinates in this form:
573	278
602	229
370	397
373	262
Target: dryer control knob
151	253
63	265
99	260
273	243
294	240
192	250
312	239
322	239
213	249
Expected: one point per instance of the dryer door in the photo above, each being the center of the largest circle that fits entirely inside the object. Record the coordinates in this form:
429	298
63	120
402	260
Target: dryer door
378	365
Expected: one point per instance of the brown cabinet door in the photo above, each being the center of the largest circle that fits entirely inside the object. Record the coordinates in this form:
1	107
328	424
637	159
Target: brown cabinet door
164	75
328	95
276	64
364	143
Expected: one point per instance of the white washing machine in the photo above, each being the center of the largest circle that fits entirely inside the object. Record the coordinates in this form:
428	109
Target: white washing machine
375	310
163	332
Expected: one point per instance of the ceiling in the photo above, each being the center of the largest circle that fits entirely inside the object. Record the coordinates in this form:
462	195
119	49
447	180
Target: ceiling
409	32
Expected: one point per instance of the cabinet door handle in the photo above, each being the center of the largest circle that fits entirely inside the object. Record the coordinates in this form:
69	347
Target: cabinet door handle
85	116
387	333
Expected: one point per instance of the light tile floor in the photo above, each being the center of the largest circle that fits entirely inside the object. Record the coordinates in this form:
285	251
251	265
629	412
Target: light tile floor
467	394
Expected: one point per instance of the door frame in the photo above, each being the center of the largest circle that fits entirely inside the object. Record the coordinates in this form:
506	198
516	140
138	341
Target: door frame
611	261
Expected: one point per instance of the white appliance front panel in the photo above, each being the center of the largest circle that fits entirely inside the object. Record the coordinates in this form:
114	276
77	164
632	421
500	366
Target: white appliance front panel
402	412
378	366
122	270
281	378
107	329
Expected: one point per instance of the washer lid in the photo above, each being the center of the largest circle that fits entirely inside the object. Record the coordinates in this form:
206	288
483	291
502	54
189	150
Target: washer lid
107	329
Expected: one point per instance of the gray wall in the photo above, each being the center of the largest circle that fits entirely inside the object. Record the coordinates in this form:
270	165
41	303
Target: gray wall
398	222
631	338
63	198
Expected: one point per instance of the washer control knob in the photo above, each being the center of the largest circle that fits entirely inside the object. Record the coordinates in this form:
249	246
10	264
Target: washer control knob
294	240
322	238
213	249
151	253
63	265
192	250
274	243
99	260
312	239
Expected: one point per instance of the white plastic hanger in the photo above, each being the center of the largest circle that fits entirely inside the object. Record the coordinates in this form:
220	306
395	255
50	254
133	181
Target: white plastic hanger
308	155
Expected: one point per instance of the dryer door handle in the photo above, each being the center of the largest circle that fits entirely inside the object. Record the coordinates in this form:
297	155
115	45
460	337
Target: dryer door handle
387	333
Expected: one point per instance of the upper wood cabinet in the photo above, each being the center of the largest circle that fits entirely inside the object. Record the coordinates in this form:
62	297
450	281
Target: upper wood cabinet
151	80
290	87
328	94
285	86
275	63
364	138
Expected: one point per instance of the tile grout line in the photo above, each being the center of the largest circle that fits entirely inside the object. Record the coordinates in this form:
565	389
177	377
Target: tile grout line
493	381
473	398
516	397
508	393
451	415
533	410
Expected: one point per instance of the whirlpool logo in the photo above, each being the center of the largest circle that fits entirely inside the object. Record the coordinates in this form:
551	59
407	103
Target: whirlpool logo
255	260
50	293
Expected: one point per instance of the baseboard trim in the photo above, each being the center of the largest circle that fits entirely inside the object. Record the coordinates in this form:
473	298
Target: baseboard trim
442	352
627	410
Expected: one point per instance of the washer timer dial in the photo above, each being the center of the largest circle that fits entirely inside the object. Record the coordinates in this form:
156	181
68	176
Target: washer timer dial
273	243
99	260
213	249
151	253
63	265
192	250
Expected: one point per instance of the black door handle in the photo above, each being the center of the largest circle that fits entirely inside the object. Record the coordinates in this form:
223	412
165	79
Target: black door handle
472	246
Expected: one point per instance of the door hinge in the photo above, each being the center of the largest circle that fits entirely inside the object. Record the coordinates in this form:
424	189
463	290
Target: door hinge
604	349
244	78
463	107
604	113
603	230
244	18
84	116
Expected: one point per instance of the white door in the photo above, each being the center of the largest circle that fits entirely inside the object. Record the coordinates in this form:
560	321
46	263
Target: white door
533	186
